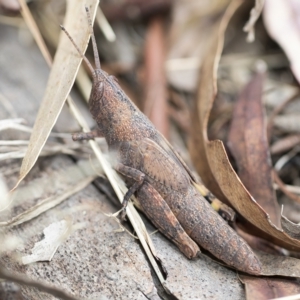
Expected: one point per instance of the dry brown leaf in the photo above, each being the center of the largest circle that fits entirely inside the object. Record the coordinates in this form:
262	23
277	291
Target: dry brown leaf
60	80
210	158
281	18
265	288
205	96
248	143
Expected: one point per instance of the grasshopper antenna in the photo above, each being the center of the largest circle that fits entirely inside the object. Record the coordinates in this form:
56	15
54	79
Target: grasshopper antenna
95	50
78	50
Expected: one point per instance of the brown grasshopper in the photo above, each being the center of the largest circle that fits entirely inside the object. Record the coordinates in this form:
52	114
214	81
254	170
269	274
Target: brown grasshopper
159	178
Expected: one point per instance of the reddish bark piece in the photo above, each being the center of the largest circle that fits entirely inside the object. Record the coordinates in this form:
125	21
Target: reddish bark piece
248	143
155	105
266	288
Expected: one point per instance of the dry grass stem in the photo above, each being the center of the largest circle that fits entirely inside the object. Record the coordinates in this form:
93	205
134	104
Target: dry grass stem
47	203
105	26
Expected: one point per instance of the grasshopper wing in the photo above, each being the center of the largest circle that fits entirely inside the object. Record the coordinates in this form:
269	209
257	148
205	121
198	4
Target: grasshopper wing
170	173
161	140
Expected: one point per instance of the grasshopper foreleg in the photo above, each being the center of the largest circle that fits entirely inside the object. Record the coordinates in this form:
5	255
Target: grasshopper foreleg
138	178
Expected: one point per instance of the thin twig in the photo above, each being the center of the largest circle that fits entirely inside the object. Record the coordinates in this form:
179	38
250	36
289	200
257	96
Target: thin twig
37	284
105	26
283	188
278	110
35	32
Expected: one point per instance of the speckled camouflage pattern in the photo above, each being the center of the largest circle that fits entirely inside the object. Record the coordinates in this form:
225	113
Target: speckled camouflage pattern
166	193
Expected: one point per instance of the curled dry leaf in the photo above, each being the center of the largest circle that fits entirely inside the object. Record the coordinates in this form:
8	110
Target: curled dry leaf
210	158
248	143
55	234
281	18
205	96
60	81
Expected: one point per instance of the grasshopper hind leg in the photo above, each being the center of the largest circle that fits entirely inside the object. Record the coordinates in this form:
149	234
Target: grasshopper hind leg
160	214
